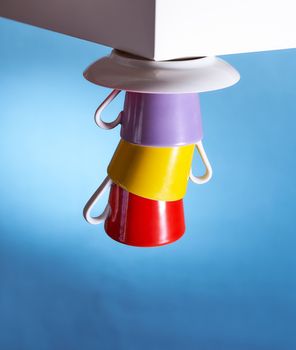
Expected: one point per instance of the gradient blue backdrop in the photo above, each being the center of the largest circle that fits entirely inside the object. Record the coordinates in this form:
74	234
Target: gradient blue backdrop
229	283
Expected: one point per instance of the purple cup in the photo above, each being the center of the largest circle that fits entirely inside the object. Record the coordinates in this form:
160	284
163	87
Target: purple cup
159	120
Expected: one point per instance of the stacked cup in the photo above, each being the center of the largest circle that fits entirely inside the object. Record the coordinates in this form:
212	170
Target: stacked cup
150	168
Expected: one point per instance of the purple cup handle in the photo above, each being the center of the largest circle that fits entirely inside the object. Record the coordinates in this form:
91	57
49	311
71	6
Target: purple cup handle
208	173
102	106
95	220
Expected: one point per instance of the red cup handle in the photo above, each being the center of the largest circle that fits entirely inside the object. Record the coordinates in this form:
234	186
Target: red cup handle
95	220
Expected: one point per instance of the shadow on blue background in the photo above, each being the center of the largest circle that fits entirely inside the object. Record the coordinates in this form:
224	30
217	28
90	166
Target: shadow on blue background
229	283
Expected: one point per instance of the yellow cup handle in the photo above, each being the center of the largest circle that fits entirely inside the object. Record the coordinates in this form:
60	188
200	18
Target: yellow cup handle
95	220
209	172
102	106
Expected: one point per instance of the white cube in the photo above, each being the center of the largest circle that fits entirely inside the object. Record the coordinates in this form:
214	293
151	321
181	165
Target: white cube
166	29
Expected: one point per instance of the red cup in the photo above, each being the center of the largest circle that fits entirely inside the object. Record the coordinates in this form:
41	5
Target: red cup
143	222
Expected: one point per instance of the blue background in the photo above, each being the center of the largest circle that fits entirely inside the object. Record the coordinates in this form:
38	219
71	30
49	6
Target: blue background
229	283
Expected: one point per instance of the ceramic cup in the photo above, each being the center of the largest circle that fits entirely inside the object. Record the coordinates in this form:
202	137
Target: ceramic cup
158	173
137	221
158	120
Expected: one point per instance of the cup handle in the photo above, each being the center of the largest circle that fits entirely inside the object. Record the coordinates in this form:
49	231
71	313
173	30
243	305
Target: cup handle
209	172
102	106
95	220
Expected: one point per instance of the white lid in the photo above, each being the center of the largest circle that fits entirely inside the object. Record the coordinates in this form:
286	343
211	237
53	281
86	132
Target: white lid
131	73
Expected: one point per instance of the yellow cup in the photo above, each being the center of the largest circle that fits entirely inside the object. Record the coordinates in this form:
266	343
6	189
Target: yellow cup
159	173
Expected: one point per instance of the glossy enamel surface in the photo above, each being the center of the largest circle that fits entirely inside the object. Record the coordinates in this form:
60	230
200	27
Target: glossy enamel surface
142	222
159	173
161	119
